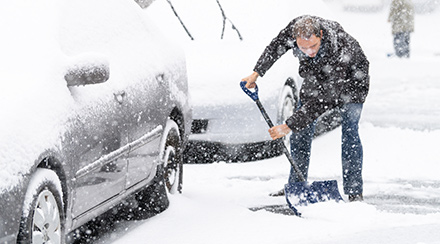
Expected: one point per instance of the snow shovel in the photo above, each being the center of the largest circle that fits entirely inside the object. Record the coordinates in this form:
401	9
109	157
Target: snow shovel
298	193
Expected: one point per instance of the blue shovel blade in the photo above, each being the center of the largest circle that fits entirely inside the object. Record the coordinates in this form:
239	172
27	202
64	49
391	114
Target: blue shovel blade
302	193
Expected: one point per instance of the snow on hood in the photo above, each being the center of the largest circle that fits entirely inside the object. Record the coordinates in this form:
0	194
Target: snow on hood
32	105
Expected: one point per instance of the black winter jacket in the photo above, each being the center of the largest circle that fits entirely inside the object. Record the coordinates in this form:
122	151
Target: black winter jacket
337	75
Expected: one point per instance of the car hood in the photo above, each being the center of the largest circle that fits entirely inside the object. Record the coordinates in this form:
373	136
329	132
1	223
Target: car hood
32	106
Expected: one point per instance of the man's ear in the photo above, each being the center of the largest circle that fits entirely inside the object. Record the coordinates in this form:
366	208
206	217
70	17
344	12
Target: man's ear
321	33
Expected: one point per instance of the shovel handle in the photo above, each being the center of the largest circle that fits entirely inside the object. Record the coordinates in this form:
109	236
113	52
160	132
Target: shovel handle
254	96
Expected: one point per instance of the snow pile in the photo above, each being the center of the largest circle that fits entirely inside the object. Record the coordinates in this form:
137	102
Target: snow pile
214	207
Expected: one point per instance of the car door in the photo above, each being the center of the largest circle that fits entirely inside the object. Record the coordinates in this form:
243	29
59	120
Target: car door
147	112
88	36
145	129
161	87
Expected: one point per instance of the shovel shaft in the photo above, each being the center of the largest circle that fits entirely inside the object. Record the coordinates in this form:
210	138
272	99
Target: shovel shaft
295	167
265	115
285	150
254	97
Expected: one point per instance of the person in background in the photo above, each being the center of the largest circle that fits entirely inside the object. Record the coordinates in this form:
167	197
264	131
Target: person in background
402	20
336	75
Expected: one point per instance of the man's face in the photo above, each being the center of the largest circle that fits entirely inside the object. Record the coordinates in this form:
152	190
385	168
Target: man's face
309	46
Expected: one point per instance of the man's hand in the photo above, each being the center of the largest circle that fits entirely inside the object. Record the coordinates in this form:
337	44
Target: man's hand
251	79
279	131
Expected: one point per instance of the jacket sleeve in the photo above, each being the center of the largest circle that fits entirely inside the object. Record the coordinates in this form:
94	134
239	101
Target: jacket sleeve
277	47
326	98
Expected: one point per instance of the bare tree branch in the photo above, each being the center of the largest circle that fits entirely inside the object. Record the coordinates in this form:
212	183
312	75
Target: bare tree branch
184	27
224	22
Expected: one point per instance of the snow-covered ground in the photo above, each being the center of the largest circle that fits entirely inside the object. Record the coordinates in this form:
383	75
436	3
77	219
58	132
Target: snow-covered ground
400	130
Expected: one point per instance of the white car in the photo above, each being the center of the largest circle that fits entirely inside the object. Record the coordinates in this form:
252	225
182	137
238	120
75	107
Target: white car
363	5
220	50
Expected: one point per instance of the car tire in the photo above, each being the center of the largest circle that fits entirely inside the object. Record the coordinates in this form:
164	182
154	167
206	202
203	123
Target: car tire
168	180
42	218
172	159
288	104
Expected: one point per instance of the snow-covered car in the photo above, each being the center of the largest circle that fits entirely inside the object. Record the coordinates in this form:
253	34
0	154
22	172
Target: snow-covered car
221	49
363	5
94	112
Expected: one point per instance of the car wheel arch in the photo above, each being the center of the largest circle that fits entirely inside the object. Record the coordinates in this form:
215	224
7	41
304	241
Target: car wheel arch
292	84
289	89
177	116
53	162
45	184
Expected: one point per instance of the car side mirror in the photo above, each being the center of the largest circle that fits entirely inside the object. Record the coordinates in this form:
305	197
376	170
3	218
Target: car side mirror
87	74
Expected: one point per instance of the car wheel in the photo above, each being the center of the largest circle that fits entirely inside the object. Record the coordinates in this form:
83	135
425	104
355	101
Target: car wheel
154	198
172	159
42	220
289	102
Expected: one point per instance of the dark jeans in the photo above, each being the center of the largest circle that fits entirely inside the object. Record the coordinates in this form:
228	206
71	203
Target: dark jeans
401	44
352	152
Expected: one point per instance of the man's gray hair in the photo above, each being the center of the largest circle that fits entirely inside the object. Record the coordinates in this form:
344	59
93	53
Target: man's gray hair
305	27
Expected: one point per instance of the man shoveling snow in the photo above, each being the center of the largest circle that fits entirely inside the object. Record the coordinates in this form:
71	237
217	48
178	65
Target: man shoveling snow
335	72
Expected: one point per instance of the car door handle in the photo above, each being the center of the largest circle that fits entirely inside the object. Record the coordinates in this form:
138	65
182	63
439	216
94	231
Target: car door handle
120	96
